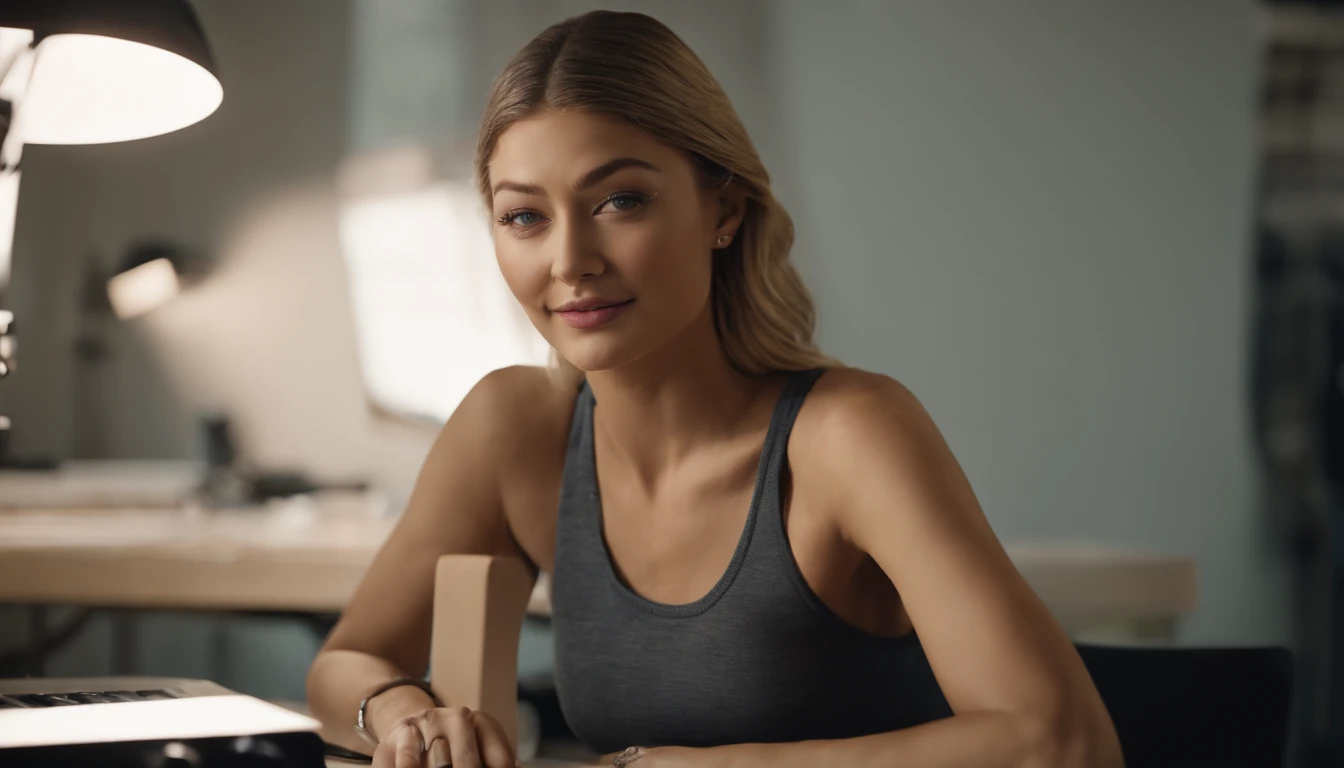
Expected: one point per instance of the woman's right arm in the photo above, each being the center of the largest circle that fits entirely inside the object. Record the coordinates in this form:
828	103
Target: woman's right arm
456	507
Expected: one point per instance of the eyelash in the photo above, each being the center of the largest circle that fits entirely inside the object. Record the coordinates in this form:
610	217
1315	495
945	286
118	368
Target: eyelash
509	218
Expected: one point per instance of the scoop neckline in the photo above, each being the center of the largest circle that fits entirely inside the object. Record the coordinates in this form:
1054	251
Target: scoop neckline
704	603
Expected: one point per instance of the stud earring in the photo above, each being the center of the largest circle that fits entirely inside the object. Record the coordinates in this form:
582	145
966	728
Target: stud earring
723	240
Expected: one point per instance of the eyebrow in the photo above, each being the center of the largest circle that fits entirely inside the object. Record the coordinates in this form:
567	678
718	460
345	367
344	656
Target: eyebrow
588	180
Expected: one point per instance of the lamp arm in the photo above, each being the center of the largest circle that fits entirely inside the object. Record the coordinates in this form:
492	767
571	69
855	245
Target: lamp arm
15	45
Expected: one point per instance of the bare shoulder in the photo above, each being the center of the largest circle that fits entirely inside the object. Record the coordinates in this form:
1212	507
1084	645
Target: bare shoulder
855	423
846	402
519	399
517	418
525	414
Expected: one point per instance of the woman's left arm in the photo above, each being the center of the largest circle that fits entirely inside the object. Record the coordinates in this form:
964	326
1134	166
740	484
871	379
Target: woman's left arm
1020	693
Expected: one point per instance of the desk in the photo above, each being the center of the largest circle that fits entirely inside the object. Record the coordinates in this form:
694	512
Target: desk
309	557
283	559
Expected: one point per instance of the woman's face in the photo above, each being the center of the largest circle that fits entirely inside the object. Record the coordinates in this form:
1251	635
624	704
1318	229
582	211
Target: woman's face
603	234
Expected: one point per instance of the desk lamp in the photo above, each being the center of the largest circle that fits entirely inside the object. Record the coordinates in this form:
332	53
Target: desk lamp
91	72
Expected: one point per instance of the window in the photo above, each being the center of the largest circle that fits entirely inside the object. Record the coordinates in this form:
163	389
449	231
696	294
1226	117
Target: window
432	313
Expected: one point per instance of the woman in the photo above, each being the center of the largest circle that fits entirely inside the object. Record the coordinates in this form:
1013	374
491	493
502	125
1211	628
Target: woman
741	582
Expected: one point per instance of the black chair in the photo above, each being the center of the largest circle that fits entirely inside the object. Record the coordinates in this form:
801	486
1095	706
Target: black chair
1187	707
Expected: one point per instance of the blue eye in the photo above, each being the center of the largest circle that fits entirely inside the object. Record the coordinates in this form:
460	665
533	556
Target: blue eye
520	219
622	202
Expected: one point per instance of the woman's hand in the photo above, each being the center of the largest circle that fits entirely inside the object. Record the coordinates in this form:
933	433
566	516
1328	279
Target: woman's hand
444	736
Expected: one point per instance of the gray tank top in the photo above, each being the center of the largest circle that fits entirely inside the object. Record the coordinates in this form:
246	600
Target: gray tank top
760	658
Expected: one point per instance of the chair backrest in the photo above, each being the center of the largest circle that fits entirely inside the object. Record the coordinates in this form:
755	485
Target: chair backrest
1176	706
479	604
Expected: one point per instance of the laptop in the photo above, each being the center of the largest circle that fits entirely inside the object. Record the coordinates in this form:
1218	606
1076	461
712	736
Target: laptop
148	721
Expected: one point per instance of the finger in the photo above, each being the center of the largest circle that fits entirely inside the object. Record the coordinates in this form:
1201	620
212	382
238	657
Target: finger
496	752
439	756
409	746
456	722
385	755
437	739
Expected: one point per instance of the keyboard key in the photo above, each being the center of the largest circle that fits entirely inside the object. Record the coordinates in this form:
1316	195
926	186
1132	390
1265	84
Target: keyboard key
45	700
124	695
156	694
94	698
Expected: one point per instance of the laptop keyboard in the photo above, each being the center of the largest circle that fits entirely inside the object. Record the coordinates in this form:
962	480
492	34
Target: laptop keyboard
65	699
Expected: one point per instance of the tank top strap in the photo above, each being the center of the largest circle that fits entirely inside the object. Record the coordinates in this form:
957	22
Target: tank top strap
796	388
578	489
767	512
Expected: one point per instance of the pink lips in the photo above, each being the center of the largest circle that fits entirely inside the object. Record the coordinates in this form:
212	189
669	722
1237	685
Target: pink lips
591	313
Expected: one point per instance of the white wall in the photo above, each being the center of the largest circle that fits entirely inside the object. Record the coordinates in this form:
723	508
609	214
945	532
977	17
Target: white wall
1036	215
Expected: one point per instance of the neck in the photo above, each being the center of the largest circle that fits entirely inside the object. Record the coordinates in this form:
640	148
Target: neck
661	407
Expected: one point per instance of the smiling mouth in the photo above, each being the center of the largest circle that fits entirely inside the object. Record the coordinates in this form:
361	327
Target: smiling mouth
593	317
570	308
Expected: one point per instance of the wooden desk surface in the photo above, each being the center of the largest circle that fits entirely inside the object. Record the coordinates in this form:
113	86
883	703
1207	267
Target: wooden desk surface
305	557
289	558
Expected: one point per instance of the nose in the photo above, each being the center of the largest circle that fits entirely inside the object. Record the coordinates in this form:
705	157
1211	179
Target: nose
577	256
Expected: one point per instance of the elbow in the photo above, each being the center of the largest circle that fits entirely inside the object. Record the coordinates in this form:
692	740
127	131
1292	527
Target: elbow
1063	742
312	683
322	685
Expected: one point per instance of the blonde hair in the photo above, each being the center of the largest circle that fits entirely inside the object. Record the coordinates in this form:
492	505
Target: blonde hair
632	67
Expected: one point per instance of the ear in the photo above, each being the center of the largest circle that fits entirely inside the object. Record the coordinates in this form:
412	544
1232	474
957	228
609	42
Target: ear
731	208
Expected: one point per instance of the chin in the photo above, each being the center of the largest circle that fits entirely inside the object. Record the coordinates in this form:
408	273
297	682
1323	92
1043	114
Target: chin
602	350
589	355
615	346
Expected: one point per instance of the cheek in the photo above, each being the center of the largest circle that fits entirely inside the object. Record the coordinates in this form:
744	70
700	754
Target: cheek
668	264
526	275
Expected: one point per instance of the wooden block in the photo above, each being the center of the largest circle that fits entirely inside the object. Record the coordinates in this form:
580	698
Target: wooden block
479	603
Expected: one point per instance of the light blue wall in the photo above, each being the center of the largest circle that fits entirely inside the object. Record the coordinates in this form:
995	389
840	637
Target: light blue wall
1037	215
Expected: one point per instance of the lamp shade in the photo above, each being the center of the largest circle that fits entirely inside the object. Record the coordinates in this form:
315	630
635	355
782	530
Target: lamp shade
112	70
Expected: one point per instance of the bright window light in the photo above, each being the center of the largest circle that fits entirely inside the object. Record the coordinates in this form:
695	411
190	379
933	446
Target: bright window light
432	313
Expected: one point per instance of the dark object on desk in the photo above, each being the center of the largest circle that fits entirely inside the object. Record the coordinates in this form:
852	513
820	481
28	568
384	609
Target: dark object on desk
276	750
348	755
279	485
24	463
1196	706
228	483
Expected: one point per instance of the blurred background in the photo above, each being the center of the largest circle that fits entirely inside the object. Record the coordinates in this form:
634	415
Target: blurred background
1100	241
